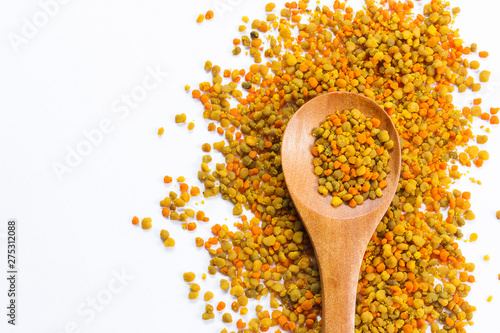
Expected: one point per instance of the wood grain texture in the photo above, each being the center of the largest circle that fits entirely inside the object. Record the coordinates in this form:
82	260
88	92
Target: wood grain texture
339	234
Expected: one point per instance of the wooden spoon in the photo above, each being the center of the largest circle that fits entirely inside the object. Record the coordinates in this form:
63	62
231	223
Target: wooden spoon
340	234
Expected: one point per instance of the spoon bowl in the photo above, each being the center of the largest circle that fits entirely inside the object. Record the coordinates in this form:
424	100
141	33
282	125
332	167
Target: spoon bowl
340	234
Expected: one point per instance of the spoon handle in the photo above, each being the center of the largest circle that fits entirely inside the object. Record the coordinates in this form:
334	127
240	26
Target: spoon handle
339	270
339	248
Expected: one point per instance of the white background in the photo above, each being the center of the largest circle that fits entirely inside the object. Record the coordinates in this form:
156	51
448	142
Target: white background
76	233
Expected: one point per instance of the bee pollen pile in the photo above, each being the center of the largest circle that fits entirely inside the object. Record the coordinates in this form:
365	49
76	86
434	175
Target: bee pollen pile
350	157
414	277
